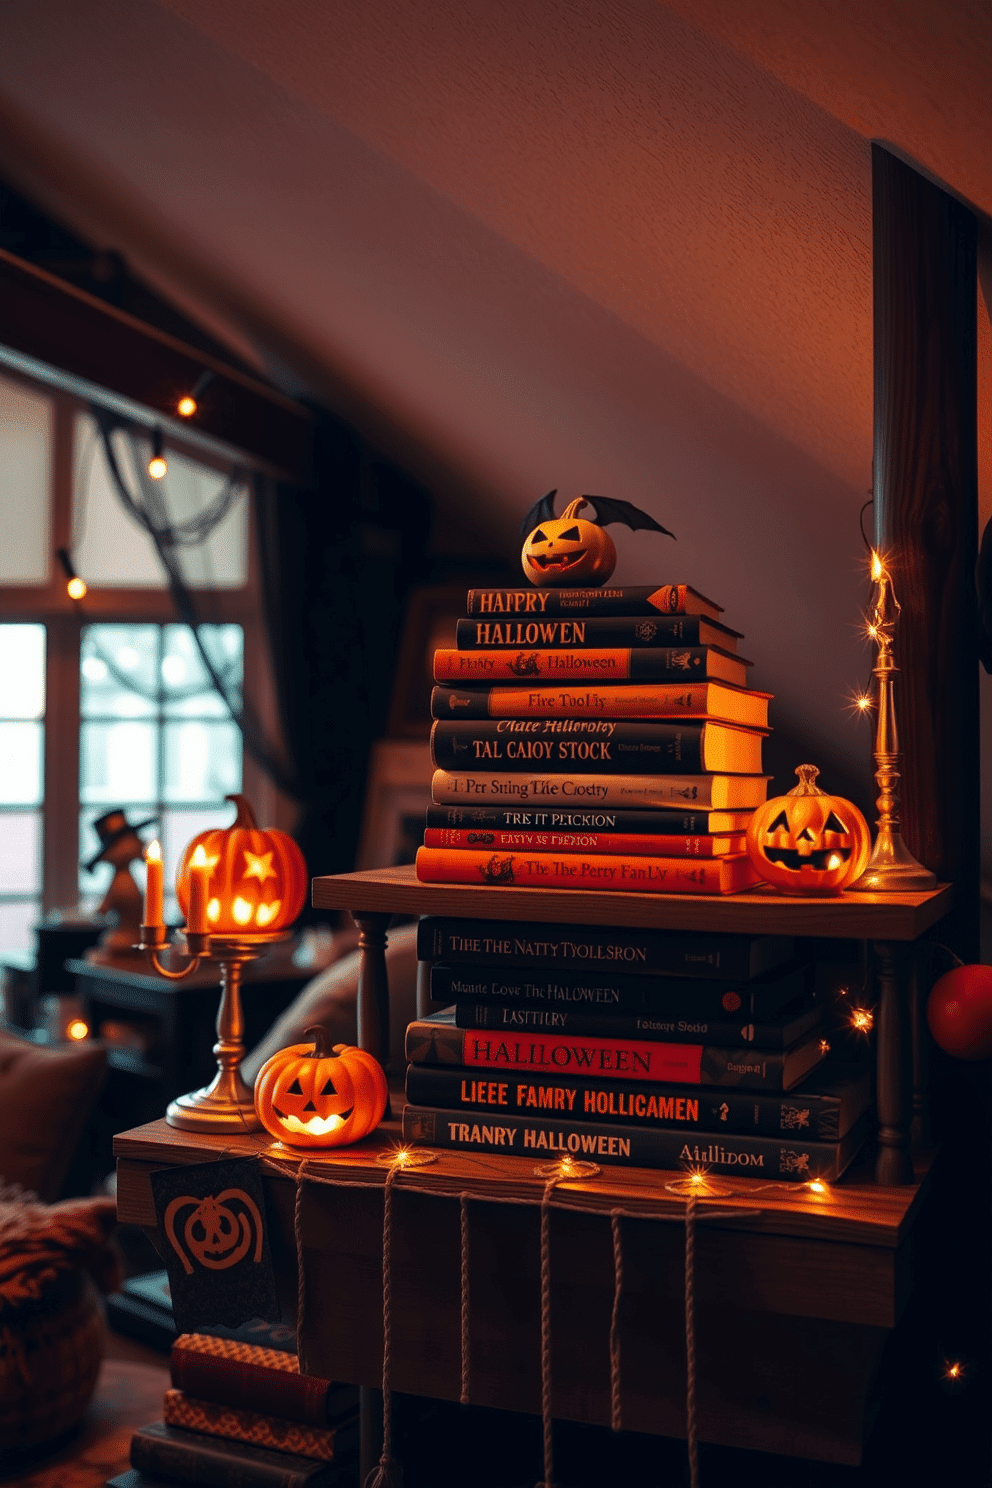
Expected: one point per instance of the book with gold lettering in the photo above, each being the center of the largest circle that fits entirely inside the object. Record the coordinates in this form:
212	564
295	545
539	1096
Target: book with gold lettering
596	746
615	664
487	787
629	599
601	632
625	700
792	1159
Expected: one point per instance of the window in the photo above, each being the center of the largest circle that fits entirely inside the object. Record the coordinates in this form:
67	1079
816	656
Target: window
22	775
154	737
107	703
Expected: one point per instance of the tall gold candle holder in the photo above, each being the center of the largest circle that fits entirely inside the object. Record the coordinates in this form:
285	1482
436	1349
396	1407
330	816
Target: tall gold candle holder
226	1104
891	868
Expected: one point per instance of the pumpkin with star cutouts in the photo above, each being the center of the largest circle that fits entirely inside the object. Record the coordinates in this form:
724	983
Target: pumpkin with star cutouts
258	879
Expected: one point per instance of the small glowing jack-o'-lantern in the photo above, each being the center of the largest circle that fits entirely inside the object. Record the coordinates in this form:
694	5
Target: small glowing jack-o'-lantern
807	842
312	1095
258	879
570	549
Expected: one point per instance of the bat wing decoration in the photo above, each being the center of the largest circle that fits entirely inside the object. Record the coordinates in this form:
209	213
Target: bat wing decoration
607	511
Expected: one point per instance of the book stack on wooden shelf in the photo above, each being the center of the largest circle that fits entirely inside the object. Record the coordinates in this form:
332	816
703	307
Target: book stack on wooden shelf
240	1416
594	739
657	1049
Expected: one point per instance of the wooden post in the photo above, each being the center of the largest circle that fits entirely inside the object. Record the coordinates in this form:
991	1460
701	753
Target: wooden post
926	514
373	986
894	1065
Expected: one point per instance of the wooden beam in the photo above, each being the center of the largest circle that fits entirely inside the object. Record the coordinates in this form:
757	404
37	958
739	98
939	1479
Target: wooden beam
47	320
926	514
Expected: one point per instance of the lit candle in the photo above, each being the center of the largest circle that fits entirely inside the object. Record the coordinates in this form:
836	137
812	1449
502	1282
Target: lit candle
153	883
199	892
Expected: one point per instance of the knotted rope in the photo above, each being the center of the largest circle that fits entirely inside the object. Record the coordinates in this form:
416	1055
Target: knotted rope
388	1474
465	1340
546	1422
615	1414
301	1270
692	1442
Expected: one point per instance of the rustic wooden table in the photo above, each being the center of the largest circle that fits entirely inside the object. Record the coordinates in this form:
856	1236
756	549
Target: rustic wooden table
796	1292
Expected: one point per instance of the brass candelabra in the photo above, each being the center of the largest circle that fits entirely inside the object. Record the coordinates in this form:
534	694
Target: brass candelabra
226	1104
891	867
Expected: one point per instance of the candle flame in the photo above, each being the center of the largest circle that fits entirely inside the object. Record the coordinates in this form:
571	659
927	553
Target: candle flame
199	858
153	852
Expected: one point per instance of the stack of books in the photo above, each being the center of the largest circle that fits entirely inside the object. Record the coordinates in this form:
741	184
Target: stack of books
657	1049
594	739
240	1416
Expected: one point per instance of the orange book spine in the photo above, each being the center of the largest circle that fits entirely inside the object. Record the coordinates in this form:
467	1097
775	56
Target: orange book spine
548	870
625	844
527	666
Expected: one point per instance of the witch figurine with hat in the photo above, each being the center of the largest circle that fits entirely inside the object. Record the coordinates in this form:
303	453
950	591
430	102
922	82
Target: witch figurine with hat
121	846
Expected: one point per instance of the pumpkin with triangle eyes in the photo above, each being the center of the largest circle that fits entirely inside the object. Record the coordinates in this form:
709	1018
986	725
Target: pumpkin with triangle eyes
808	842
312	1095
568	550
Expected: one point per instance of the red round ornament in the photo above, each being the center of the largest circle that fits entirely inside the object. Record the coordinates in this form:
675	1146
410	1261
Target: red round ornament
959	1012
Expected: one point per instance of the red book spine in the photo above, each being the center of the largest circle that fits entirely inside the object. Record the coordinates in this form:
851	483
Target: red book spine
623	1059
548	870
625	843
274	1392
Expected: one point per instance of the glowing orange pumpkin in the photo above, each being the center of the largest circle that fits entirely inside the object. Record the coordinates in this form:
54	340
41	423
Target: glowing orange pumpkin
258	879
311	1095
807	842
568	550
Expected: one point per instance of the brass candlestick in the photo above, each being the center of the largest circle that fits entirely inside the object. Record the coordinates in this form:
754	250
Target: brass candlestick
226	1104
891	867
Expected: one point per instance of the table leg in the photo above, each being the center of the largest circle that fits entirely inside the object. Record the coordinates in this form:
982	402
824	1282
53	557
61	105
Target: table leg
373	986
893	1088
920	1132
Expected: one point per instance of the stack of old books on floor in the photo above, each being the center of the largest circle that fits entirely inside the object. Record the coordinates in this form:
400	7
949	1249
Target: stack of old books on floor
657	1049
594	739
240	1416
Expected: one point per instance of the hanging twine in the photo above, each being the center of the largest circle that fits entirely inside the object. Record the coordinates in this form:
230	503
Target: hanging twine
692	1441
301	1273
388	1474
465	1341
546	1421
615	1415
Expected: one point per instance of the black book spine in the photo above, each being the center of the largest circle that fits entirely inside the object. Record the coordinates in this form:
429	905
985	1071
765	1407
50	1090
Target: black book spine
542	819
586	746
499	943
608	992
813	1117
723	1032
796	1159
214	1462
597	633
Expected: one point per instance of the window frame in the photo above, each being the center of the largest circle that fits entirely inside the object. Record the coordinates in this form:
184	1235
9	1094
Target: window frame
49	605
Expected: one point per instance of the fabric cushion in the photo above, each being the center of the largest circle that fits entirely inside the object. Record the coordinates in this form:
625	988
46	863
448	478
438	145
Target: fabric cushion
46	1097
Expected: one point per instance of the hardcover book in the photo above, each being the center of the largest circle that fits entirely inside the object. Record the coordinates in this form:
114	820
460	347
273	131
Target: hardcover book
260	1379
632	700
822	1109
603	990
596	746
795	1159
630	599
665	664
613	843
163	1451
538	818
586	871
603	633
436	1040
236	1424
793	1023
503	943
625	792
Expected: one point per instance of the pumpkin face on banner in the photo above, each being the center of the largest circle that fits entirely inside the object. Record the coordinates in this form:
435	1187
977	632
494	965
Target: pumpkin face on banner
808	842
312	1095
258	879
568	550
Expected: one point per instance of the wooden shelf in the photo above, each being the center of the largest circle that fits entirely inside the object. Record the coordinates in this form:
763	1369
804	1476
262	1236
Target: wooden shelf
757	912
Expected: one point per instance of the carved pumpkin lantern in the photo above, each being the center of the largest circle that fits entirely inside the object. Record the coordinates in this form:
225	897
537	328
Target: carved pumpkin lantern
570	549
258	879
808	842
312	1095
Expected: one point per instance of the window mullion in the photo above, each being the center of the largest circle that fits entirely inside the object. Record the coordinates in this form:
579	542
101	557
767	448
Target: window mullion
61	831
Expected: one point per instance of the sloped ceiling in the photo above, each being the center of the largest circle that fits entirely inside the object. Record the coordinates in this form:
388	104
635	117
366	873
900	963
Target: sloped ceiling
622	247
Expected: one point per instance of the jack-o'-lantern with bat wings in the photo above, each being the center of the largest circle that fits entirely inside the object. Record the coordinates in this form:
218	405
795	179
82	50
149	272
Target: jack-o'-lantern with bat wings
571	549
